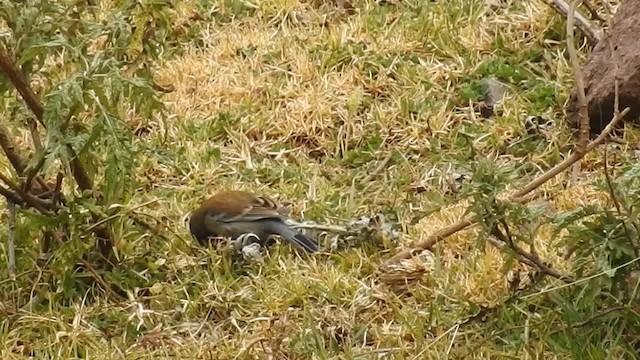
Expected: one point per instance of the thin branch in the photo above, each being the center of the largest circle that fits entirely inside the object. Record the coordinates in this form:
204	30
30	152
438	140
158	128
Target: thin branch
33	172
24	273
592	33
614	60
18	80
29	199
583	113
81	176
135	217
539	264
57	196
575	157
35	135
500	245
11	196
9	148
91	269
18	163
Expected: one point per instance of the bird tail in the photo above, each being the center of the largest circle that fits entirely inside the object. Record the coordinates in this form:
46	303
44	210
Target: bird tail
302	241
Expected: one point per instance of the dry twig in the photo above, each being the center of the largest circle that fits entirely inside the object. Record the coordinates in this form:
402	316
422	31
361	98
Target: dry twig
593	34
583	113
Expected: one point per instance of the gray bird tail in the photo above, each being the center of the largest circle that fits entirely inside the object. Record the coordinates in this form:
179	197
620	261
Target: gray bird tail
302	241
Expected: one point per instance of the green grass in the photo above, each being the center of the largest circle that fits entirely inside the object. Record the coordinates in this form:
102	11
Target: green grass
304	111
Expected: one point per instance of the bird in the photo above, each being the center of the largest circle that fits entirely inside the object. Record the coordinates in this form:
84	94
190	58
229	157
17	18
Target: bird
234	213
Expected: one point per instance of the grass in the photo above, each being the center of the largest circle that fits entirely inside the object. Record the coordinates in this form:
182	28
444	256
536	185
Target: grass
301	100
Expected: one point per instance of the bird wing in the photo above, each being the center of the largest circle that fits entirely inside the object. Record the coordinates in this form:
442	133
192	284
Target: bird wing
247	207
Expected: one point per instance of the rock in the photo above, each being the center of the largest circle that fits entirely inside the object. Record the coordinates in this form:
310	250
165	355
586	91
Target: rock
599	71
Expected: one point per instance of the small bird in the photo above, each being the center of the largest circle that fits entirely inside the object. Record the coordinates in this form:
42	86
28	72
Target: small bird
235	213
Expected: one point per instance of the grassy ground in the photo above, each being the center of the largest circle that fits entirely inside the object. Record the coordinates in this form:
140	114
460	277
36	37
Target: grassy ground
301	101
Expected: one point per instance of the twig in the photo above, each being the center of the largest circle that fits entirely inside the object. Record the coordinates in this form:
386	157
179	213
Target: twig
11	196
582	280
8	67
35	136
11	239
592	33
135	217
443	233
29	199
573	158
614	58
24	273
583	113
499	244
9	149
57	196
18	80
544	268
33	172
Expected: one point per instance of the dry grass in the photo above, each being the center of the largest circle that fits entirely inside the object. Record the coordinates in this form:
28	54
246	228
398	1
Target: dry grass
301	100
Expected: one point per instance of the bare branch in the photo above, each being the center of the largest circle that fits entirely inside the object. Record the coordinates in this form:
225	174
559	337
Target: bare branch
522	254
11	196
575	157
35	135
593	34
9	148
18	80
29	199
583	113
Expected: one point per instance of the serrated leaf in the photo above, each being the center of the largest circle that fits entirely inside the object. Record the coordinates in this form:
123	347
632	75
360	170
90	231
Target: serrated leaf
95	133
